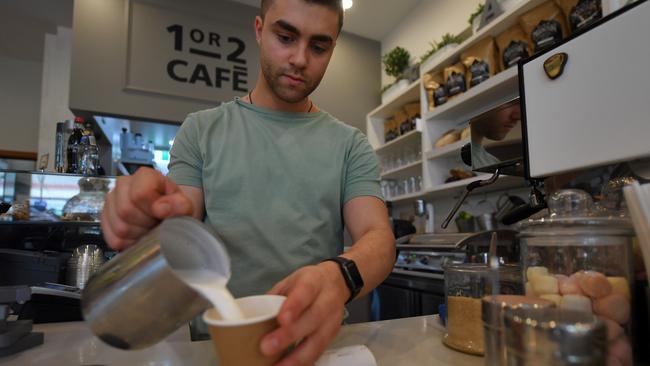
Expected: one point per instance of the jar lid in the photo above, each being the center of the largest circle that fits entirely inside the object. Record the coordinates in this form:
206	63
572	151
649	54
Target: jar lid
572	212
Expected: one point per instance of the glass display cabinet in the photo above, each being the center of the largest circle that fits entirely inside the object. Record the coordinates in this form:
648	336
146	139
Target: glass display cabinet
44	217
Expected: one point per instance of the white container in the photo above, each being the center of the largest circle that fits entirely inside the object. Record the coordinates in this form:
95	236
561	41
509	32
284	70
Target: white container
434	59
395	90
508	4
476	23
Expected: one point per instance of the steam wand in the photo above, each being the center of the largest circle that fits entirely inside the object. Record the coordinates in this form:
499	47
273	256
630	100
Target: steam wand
468	189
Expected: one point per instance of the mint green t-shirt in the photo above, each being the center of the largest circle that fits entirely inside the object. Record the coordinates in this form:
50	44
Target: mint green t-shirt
274	185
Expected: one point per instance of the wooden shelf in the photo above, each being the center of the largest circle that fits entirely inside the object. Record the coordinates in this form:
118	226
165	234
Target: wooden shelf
408	170
20	155
406	139
498	89
386	110
446	151
452	189
406	197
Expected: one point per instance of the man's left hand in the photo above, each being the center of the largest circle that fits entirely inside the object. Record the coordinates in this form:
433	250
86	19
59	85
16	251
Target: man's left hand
311	314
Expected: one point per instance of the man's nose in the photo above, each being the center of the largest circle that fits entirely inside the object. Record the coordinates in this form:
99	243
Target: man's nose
300	57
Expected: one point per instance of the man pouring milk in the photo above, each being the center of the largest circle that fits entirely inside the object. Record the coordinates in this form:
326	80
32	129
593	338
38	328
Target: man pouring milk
277	178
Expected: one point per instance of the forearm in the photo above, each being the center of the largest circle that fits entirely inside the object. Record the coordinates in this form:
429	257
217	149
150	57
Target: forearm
374	255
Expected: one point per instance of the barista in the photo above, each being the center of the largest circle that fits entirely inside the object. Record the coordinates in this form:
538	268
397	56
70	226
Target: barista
277	178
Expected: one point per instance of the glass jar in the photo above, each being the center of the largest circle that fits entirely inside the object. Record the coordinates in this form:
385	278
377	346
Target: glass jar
88	204
580	259
465	285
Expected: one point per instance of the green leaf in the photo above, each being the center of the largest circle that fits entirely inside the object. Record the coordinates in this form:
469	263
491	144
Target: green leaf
387	86
447	39
477	12
396	61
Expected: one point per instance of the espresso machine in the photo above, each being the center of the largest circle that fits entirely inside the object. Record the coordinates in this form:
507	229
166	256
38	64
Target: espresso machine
579	116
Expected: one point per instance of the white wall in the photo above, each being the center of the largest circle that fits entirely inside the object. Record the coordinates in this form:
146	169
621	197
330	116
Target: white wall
20	93
23	24
427	22
54	91
351	87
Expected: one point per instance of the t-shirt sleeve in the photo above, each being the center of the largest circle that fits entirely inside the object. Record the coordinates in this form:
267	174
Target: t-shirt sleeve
186	161
362	170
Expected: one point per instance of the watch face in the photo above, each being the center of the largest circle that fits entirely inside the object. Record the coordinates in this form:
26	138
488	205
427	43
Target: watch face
353	273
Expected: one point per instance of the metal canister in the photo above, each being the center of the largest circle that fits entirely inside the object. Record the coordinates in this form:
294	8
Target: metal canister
493	308
554	337
137	299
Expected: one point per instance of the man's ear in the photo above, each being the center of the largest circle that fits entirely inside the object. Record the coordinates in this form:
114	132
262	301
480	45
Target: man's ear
259	23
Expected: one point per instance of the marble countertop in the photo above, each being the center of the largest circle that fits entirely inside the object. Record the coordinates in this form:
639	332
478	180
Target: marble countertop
408	341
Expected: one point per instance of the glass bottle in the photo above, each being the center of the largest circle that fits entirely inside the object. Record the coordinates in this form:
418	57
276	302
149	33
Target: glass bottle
88	156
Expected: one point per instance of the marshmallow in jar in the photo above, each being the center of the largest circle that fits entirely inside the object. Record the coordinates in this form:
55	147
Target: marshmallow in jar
580	258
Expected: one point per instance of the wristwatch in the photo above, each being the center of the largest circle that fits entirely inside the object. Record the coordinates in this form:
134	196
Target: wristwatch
350	274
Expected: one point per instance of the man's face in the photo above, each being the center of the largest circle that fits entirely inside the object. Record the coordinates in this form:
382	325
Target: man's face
498	127
506	119
296	42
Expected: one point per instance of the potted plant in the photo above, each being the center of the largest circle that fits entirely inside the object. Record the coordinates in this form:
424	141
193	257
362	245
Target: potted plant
475	18
447	42
396	63
429	53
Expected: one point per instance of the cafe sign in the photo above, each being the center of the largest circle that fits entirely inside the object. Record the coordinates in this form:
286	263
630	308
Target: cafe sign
191	56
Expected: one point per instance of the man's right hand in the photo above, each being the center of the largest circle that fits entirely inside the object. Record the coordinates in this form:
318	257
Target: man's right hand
137	204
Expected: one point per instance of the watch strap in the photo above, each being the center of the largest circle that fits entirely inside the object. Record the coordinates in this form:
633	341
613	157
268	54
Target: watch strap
350	274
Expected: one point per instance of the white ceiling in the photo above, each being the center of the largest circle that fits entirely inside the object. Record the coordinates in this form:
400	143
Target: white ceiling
23	24
372	19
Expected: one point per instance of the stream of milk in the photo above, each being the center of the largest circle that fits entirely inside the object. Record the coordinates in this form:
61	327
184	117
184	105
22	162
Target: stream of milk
213	288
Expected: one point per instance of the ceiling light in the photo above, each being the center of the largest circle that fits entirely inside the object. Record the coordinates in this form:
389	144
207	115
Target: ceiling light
347	4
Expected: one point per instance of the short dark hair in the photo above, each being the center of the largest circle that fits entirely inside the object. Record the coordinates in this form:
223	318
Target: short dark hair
336	5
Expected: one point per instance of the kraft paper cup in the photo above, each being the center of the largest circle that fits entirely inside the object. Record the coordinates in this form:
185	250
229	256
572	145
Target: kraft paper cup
237	342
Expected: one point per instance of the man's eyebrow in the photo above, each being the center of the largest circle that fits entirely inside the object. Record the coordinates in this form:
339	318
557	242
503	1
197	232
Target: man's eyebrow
287	27
322	38
292	29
